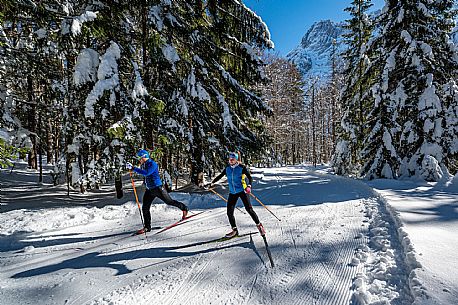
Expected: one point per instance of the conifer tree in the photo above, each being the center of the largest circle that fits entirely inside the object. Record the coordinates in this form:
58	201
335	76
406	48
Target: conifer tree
29	57
359	31
425	54
416	61
445	13
125	75
107	77
379	155
210	53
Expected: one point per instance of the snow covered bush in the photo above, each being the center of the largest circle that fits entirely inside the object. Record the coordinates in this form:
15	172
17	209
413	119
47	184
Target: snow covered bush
430	169
341	160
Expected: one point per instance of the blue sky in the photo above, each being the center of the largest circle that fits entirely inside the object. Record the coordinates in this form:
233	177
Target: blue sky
288	20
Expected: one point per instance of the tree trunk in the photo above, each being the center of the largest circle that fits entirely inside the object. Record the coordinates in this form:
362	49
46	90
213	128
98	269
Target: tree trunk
40	152
67	174
49	142
313	128
32	162
293	146
197	167
56	141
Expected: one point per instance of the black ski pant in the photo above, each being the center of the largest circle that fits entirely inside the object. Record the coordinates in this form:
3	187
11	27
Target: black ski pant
162	194
232	201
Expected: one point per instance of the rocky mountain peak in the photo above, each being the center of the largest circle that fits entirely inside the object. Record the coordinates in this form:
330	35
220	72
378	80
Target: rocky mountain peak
313	54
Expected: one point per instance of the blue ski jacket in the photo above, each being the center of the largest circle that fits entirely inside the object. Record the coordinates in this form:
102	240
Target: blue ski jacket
236	178
150	169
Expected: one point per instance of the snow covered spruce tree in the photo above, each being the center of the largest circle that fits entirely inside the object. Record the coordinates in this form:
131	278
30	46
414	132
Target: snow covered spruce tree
122	75
379	155
407	122
354	93
238	36
105	90
205	66
447	27
423	101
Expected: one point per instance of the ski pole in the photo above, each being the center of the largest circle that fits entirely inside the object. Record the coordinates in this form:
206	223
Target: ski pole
136	199
217	194
264	206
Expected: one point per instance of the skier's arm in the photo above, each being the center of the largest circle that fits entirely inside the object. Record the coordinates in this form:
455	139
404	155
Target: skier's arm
148	171
223	173
246	172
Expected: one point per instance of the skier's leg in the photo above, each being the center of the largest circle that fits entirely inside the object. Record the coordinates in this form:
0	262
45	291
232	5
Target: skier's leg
164	196
148	198
231	202
254	216
249	207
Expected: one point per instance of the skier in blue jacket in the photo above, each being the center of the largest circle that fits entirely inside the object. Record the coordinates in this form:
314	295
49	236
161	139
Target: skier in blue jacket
154	188
236	174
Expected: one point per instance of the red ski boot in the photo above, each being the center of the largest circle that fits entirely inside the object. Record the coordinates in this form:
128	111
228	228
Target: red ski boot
261	229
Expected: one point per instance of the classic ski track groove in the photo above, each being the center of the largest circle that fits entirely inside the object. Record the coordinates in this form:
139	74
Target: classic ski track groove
242	284
294	275
194	280
171	298
253	282
190	277
336	264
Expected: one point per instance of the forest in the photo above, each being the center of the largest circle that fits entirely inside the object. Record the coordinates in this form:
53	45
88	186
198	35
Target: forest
85	84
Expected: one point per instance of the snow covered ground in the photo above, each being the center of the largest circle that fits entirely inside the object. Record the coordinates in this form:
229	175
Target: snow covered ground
427	214
338	242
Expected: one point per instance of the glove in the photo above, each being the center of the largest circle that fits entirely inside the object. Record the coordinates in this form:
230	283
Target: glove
248	189
208	185
129	165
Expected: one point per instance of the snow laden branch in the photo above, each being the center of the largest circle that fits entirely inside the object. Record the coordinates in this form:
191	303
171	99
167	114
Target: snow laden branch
108	79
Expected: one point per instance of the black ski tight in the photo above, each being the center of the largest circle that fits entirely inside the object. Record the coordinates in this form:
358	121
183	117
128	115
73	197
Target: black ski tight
162	194
232	201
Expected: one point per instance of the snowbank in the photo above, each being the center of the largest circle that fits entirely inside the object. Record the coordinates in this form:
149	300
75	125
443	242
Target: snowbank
452	185
426	218
27	220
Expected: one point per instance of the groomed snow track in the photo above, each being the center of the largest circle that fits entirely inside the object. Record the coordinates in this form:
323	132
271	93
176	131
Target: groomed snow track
324	221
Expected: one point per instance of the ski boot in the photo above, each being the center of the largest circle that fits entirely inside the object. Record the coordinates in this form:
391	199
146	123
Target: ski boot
143	231
232	234
185	214
261	229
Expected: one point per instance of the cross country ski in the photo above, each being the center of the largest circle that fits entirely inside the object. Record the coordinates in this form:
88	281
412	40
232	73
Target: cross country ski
179	222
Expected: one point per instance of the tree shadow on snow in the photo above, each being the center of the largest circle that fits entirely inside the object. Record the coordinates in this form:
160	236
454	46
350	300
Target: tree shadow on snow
101	260
20	240
308	189
447	211
441	213
56	197
21	190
